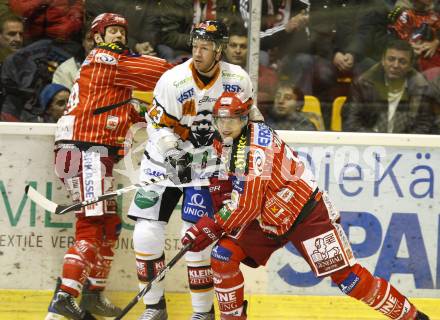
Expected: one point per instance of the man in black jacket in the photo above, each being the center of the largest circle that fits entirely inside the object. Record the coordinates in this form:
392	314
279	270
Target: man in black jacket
389	97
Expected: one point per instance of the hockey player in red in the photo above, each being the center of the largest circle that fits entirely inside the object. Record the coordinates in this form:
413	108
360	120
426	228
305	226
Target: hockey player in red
86	147
274	199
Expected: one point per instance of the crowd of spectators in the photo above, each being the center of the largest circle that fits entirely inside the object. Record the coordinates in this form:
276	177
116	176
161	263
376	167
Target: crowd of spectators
383	55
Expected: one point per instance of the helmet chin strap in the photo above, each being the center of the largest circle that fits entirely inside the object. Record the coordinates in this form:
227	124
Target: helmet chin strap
213	64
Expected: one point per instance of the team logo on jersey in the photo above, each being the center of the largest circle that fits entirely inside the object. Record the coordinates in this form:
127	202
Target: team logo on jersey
258	160
202	131
112	122
262	135
146	199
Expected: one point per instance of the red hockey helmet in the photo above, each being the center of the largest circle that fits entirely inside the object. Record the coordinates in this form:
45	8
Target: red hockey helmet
232	105
105	20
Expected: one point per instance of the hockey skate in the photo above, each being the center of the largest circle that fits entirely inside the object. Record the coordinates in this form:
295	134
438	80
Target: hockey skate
95	302
204	315
156	311
64	304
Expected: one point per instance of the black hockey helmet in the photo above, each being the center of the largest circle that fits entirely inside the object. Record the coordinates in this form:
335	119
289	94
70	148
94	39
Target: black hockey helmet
211	30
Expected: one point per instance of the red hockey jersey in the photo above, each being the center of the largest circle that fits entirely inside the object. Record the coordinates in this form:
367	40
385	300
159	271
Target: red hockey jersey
270	183
107	76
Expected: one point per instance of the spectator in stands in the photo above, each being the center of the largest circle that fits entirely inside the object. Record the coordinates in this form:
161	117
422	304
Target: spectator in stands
55	19
66	73
143	18
25	73
53	100
389	97
283	28
178	16
286	111
236	53
11	35
330	61
420	26
4	9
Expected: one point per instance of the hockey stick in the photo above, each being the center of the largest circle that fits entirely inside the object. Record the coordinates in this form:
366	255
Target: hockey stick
53	207
116	105
157	278
111	107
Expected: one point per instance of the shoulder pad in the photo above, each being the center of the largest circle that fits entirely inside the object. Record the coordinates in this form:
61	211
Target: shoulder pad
114	47
394	14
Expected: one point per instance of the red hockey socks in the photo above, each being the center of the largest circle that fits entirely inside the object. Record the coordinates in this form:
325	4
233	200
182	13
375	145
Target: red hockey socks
78	262
359	283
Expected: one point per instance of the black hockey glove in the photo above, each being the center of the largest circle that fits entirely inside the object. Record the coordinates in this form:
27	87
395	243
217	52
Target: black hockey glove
178	164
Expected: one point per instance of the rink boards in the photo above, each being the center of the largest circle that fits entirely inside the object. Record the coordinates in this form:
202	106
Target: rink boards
386	187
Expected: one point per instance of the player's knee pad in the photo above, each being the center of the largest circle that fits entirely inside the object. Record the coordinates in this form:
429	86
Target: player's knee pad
149	238
82	251
101	269
78	262
226	257
149	243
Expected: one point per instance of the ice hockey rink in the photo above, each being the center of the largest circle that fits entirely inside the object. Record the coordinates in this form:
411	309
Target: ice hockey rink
31	305
392	223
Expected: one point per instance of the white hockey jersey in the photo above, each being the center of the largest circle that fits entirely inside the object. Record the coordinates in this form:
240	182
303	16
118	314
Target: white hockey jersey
184	104
182	109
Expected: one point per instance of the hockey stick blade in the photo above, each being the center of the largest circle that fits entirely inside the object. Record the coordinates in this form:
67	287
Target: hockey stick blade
157	278
39	199
53	207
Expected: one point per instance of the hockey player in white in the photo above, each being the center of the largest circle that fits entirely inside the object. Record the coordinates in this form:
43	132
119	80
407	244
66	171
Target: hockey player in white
181	127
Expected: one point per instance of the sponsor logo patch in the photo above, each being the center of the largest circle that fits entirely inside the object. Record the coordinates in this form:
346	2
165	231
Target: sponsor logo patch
112	122
186	95
325	253
221	253
224	213
238	185
258	160
105	58
146	199
196	204
349	283
285	194
231	88
240	155
262	135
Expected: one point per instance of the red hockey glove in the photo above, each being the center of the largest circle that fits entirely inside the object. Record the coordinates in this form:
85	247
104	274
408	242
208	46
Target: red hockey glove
202	234
220	190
